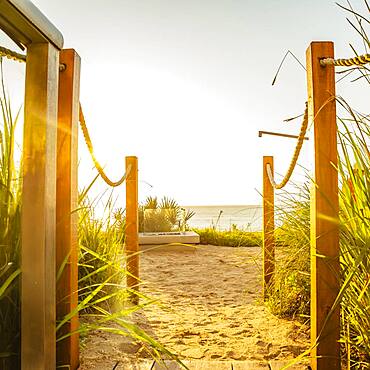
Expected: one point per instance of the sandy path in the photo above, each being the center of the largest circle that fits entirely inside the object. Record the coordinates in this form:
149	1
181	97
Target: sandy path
210	309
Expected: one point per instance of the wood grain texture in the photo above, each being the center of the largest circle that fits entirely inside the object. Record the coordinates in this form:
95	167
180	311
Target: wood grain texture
66	206
324	209
38	208
132	226
268	227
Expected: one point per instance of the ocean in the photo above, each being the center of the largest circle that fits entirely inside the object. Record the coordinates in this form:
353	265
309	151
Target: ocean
245	217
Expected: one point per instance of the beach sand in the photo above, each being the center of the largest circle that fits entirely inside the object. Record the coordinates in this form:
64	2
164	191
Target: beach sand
210	309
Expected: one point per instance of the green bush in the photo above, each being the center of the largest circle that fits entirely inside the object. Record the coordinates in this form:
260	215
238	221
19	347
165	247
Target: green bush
230	238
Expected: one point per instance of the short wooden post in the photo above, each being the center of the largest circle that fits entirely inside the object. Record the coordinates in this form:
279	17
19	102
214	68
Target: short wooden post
325	267
38	208
268	227
132	229
67	199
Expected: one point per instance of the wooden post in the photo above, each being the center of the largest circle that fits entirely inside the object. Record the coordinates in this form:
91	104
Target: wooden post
324	210
132	229
268	227
66	203
38	208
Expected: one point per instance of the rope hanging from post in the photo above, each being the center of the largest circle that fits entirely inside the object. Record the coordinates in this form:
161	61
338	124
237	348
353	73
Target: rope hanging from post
356	61
294	160
91	150
4	52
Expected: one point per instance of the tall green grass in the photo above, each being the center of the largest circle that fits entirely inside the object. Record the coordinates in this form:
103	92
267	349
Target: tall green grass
289	296
10	205
354	169
103	296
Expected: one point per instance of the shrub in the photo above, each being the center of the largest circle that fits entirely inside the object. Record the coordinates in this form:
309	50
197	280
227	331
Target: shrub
230	238
164	216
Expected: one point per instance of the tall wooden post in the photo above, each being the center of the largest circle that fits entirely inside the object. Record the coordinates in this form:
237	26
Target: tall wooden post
268	227
325	330
38	208
132	227
67	198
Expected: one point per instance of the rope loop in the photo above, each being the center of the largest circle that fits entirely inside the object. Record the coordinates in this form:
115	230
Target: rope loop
97	165
294	160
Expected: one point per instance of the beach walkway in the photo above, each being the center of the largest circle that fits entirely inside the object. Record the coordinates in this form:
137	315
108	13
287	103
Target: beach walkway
209	311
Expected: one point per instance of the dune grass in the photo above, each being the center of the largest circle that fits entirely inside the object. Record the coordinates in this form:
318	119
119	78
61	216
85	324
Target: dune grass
10	206
290	295
354	169
229	238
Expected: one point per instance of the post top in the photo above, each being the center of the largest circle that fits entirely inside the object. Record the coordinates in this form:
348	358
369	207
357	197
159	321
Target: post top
324	45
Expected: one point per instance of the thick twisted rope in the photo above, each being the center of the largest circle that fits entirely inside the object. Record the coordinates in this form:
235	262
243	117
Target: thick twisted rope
294	160
356	61
10	54
97	165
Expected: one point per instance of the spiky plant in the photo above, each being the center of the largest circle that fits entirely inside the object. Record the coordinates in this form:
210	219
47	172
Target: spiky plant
163	216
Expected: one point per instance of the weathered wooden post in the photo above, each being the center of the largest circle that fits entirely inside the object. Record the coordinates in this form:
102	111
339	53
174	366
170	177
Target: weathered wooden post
132	227
27	26
66	203
325	267
38	207
268	226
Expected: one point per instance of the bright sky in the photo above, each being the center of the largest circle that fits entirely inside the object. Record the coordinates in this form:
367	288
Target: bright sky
186	84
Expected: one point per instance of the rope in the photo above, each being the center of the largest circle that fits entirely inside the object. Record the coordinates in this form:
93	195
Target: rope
356	61
10	54
4	52
91	150
294	160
